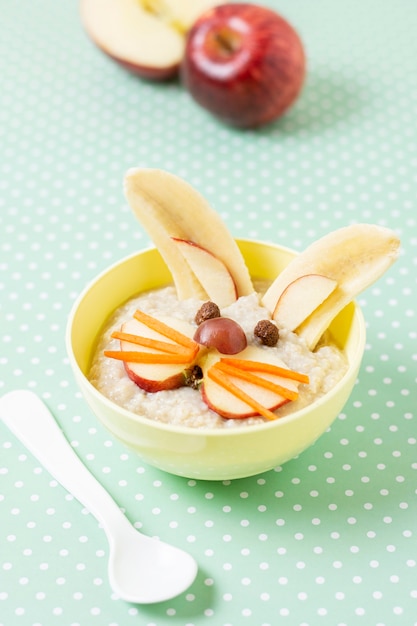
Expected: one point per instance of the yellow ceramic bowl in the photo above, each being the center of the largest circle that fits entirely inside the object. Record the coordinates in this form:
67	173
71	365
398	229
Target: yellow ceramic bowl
218	454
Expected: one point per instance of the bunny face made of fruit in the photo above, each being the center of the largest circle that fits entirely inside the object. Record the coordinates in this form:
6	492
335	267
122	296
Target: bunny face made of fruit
237	380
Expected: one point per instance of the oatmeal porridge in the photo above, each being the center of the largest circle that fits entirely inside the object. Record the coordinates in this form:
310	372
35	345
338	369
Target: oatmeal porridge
185	405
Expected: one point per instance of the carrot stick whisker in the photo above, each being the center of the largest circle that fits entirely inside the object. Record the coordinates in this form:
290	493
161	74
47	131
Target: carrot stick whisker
270	368
163	346
164	329
224	381
134	356
289	394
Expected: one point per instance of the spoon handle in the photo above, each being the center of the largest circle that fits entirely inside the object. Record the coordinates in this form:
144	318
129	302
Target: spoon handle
33	424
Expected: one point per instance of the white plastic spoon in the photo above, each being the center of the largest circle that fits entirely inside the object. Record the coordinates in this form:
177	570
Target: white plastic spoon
141	569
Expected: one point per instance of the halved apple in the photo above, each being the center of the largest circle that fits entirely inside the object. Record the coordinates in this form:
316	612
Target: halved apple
300	298
145	36
210	271
228	404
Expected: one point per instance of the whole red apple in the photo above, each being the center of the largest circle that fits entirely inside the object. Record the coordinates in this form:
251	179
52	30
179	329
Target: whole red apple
244	63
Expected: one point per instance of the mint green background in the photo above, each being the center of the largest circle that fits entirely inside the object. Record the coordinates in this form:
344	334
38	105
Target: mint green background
328	539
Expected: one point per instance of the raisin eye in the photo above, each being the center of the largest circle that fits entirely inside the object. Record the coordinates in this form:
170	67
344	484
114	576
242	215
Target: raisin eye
207	311
267	332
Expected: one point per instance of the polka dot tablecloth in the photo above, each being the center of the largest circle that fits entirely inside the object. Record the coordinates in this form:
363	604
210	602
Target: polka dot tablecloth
329	538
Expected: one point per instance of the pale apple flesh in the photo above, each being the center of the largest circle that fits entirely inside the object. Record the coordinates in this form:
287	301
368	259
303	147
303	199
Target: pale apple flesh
134	37
153	377
300	298
210	271
229	405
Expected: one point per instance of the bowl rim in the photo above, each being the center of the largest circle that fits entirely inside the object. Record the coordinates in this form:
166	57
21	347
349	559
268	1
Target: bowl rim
216	431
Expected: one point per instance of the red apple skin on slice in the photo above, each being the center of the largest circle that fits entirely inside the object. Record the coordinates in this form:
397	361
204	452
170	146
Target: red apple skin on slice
300	298
153	377
227	404
144	376
161	74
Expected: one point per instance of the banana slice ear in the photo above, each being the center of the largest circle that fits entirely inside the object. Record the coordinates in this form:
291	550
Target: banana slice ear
354	257
170	209
206	263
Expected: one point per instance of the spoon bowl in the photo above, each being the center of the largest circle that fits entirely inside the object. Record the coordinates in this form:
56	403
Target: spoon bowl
141	569
164	572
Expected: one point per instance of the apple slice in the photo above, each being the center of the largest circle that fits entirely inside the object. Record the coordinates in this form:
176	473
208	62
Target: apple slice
354	256
145	36
157	376
260	399
169	209
300	298
211	272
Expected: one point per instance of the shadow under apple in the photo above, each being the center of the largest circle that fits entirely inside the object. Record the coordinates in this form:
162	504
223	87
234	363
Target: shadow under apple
328	100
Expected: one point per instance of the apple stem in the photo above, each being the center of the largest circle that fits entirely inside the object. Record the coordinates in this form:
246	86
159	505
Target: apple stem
193	377
228	41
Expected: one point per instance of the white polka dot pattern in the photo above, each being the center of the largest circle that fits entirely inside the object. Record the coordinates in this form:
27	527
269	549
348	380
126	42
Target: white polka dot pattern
330	537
